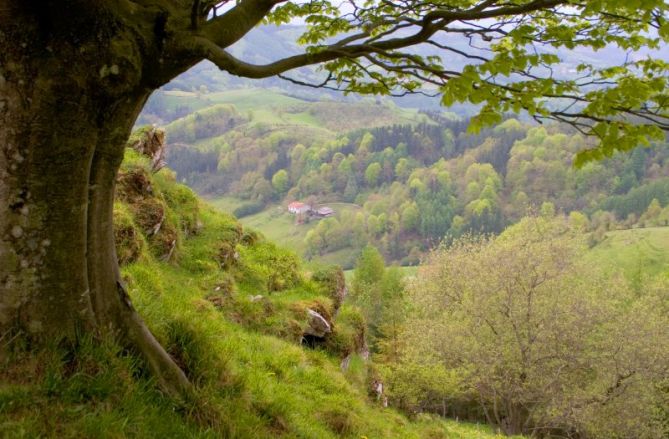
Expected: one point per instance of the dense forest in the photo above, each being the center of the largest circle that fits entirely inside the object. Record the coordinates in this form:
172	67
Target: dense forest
415	183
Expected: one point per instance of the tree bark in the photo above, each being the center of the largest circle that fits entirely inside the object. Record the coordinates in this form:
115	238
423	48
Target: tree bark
68	100
111	305
47	136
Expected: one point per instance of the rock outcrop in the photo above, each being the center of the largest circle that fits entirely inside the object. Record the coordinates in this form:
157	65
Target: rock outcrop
150	141
318	326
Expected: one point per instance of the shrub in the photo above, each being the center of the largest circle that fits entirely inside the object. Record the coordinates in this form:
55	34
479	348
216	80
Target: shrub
247	209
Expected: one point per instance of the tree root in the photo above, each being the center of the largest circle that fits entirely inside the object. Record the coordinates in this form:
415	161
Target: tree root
171	379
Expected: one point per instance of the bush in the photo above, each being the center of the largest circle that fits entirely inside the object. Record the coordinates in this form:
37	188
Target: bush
269	268
247	209
332	278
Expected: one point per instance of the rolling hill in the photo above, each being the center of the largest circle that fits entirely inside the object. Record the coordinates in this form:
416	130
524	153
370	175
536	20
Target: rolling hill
634	252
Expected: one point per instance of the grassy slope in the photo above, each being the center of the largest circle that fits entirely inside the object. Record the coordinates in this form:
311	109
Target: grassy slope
275	108
406	271
634	251
243	99
279	226
253	380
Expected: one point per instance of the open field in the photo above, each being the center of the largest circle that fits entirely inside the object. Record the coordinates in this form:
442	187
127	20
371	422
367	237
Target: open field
272	107
634	251
243	98
279	226
225	204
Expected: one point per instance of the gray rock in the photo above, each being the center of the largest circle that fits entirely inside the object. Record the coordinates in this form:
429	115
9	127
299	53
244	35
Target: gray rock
318	326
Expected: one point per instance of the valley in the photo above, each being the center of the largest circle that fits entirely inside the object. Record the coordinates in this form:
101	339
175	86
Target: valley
315	220
401	179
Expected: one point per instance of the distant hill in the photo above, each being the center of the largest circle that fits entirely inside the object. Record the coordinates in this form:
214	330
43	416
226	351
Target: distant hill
269	43
416	172
418	176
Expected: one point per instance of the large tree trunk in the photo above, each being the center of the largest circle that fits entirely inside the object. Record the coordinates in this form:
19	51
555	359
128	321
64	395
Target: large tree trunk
66	109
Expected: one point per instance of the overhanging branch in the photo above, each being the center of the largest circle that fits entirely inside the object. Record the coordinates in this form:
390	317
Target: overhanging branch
230	27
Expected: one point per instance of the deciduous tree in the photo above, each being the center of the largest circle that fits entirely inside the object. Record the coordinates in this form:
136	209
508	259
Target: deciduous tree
74	75
541	341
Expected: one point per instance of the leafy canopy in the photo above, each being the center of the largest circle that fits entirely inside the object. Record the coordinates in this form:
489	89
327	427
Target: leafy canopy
500	55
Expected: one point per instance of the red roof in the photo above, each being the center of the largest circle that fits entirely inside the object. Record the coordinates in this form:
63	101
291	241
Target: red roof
296	204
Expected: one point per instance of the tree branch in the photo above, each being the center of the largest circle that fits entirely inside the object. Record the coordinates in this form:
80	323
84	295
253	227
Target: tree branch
230	27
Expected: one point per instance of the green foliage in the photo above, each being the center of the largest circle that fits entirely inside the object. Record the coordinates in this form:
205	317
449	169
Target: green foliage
491	180
349	335
247	209
381	295
269	268
151	212
372	174
203	124
251	377
516	72
333	280
428	181
533	336
638	198
280	181
369	268
129	240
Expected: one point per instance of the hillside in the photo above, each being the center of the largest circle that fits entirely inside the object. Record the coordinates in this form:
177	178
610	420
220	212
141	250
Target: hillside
268	43
417	177
640	252
230	307
277	106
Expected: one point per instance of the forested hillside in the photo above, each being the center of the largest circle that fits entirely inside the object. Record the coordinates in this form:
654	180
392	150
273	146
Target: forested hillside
280	351
238	315
358	220
408	179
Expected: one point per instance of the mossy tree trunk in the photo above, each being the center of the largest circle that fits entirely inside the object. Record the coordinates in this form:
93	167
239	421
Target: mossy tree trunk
71	87
74	75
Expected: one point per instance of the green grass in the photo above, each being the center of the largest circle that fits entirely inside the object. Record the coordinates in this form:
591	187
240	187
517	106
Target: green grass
225	204
406	271
244	98
279	226
253	98
174	99
635	251
252	378
271	107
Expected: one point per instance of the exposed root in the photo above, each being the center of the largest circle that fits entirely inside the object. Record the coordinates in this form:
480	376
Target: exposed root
169	375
